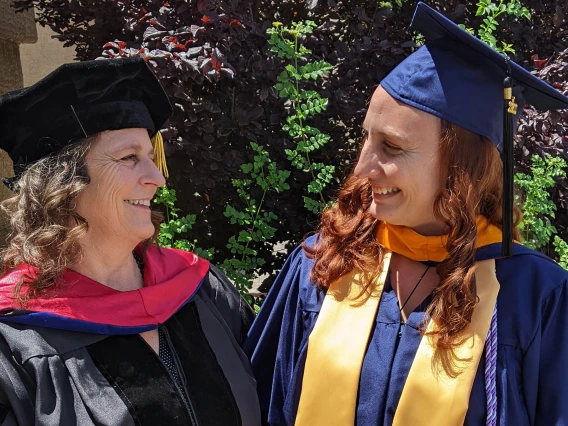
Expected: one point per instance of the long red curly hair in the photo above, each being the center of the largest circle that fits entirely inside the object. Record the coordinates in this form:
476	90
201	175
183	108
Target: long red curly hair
472	185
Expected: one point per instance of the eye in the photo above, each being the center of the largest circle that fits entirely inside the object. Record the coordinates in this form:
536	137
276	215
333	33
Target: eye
392	148
130	157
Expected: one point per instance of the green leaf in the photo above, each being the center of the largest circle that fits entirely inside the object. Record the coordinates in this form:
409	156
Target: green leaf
469	30
561	248
246	168
312	205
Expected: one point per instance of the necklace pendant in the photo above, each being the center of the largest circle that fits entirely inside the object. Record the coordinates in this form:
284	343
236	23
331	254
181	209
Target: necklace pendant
401	329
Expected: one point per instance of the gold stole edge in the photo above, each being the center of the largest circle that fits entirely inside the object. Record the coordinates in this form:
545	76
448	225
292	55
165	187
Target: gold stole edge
433	395
336	347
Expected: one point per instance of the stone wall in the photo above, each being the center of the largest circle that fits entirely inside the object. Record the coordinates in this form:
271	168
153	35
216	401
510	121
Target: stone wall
15	29
40	58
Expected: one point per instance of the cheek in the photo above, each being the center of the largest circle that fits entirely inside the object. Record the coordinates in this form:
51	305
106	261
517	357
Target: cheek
106	186
419	181
428	180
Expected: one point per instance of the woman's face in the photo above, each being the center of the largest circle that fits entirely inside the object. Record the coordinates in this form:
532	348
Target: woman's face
123	180
401	160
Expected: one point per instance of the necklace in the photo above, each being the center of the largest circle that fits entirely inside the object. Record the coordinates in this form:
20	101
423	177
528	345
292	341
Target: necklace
402	323
413	290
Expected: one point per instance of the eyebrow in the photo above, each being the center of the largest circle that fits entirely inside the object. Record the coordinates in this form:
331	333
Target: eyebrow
390	135
395	137
135	146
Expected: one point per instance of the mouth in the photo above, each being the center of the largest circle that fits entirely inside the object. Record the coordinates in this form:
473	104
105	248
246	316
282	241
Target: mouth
139	203
385	191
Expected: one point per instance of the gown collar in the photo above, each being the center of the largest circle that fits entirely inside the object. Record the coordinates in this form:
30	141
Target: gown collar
408	243
171	279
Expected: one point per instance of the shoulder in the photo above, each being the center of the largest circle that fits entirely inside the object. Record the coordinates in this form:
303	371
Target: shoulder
22	342
530	284
214	285
228	302
312	240
525	269
220	289
8	283
16	275
293	285
173	258
532	271
166	264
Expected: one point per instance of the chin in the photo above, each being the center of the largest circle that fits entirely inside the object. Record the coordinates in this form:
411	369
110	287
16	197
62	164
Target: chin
147	236
144	232
384	215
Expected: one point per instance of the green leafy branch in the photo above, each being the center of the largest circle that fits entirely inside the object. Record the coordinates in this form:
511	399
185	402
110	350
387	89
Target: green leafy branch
255	221
561	248
285	43
491	11
174	226
538	209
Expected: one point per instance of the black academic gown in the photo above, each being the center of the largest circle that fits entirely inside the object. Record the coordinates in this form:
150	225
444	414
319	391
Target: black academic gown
53	376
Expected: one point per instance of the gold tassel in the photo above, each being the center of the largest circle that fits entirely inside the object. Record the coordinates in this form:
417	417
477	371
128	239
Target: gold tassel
160	154
509	110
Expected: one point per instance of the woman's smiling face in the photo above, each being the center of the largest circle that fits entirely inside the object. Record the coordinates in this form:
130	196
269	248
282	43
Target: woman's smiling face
401	160
123	180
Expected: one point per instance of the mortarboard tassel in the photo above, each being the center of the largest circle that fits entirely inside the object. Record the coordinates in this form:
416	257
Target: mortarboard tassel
160	154
509	112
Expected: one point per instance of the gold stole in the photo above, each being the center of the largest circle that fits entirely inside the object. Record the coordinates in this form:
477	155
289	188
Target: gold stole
337	344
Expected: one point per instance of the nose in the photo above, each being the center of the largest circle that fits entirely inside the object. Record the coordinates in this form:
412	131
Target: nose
368	164
152	175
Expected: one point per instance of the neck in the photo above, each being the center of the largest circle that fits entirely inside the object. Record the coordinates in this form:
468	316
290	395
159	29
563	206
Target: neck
112	265
412	281
431	229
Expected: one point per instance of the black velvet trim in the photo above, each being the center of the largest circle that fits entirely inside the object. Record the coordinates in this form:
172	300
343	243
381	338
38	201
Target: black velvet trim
140	380
208	387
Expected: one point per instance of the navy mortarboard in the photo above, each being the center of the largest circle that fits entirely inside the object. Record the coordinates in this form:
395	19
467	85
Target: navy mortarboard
458	78
79	100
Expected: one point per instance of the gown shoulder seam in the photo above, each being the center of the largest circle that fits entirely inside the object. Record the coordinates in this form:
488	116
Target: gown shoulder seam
543	301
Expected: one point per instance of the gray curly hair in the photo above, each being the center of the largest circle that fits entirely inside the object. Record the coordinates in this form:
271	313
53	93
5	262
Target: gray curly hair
44	226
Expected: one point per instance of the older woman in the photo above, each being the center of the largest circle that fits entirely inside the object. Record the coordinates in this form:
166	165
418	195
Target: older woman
98	325
412	307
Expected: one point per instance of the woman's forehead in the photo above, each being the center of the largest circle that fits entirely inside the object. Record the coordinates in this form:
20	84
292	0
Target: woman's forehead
118	140
396	119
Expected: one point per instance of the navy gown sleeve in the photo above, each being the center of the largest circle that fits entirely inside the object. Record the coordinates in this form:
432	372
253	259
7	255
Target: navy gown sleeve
277	340
546	361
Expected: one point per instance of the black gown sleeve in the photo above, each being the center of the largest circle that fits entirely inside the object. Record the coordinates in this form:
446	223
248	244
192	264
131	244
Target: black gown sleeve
234	309
6	413
16	406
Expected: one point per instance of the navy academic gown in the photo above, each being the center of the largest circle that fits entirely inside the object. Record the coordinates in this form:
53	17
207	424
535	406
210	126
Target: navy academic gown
532	358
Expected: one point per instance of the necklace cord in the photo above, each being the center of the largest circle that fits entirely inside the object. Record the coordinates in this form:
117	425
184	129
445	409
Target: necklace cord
414	289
